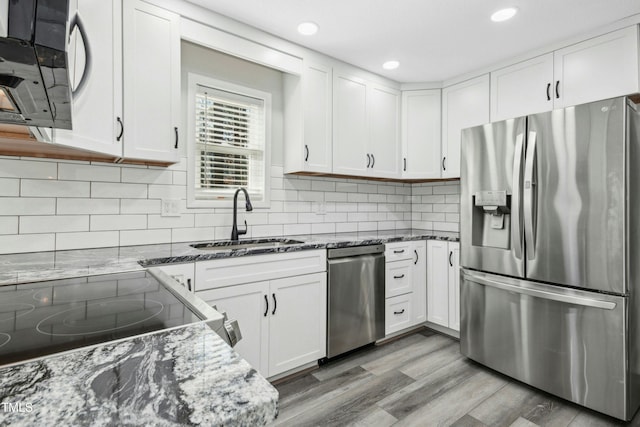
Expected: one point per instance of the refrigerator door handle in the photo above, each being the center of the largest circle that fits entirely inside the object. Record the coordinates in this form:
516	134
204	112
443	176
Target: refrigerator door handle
529	195
539	293
516	220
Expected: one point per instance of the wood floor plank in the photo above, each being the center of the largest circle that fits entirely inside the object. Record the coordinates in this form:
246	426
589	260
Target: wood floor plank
306	400
453	405
375	417
348	407
507	405
369	354
413	352
468	421
296	386
418	394
593	419
521	422
551	411
419	367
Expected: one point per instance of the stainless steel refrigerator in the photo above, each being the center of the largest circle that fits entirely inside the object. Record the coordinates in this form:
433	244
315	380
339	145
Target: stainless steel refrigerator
550	241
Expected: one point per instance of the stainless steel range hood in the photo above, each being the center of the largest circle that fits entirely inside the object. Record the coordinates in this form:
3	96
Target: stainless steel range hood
34	80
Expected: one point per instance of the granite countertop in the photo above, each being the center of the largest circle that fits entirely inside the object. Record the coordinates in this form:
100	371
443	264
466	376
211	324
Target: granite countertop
182	376
39	266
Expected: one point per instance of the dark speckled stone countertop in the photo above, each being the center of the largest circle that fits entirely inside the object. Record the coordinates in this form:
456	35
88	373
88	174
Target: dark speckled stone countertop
39	266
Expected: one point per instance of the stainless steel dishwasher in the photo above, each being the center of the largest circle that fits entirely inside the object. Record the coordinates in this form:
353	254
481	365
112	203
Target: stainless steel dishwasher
355	312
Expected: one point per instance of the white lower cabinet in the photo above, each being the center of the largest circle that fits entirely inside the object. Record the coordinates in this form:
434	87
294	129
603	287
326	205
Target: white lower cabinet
283	319
443	284
405	285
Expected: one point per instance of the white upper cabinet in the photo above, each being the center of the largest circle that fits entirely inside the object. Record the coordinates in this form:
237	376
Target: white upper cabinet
366	128
151	52
384	125
421	136
308	120
464	105
523	88
95	68
350	126
599	68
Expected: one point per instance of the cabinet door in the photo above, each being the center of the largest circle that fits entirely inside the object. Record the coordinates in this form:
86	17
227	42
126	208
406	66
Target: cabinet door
151	52
454	285
463	105
350	131
419	281
248	304
421	140
438	282
297	322
316	94
384	131
599	68
523	88
95	63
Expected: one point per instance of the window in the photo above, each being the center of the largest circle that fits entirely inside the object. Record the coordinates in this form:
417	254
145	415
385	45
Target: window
229	136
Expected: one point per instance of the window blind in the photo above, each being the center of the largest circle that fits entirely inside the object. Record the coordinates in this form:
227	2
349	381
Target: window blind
230	143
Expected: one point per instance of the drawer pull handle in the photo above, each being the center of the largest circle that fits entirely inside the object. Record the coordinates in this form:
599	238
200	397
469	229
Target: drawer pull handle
398	277
399	312
401	251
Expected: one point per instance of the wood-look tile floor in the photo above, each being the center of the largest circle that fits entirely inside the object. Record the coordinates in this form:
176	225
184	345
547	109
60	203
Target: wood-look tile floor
421	380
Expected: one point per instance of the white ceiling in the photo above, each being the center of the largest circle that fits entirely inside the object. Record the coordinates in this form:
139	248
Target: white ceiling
433	39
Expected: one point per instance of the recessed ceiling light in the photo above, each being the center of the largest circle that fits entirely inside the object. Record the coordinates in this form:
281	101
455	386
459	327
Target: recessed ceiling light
390	65
504	14
308	28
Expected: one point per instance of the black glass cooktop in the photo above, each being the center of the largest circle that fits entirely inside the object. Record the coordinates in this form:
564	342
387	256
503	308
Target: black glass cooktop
42	318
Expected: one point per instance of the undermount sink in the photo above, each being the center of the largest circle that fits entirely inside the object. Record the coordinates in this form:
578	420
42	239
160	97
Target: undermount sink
225	245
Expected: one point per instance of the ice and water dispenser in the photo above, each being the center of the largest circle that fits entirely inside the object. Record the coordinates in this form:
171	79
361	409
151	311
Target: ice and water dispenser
491	219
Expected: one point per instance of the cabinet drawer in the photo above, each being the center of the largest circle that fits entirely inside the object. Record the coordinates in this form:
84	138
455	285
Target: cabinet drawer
254	268
397	251
398	278
397	313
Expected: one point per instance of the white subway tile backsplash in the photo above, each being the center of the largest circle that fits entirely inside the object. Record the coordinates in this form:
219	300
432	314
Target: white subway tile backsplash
294	229
83	172
8	225
311	196
21	243
120	205
317	185
167	191
42	188
323	228
9	187
118	222
109	190
68	206
27	206
446	226
144	237
140	206
346	187
192	234
84	240
346	227
10	168
53	223
147	176
182	221
283	218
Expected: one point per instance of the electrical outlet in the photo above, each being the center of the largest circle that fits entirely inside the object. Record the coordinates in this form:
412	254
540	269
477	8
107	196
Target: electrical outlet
321	208
170	207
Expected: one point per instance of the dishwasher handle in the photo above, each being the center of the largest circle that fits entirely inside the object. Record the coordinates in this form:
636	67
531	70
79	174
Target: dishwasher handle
355	251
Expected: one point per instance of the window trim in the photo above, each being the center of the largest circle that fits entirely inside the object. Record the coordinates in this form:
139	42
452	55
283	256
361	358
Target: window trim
193	81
